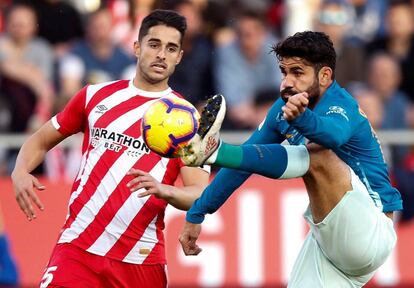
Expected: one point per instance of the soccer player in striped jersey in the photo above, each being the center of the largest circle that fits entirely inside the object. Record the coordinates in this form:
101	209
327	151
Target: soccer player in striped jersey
351	200
113	234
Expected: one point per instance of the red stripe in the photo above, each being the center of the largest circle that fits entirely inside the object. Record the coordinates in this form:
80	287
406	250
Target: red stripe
104	92
157	254
137	227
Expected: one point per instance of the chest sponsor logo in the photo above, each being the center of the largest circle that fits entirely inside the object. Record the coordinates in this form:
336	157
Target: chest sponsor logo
114	141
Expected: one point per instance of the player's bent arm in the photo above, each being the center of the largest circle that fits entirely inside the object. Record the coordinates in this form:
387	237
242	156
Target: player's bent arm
329	131
30	156
194	181
35	148
228	180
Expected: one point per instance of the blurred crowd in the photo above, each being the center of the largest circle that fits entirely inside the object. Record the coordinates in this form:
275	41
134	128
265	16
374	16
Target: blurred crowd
49	49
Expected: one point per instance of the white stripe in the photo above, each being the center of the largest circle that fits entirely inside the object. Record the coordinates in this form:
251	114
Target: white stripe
145	242
109	181
92	89
250	220
126	214
55	123
298	161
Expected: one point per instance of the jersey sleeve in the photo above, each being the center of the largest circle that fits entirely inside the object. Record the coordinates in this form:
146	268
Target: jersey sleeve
72	119
330	128
228	180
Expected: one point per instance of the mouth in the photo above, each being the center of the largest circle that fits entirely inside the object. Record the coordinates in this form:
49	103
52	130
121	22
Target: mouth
286	93
159	66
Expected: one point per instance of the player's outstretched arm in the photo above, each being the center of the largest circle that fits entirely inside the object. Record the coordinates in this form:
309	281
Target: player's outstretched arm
194	182
30	156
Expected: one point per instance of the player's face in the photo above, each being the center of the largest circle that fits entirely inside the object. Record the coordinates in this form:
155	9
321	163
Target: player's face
298	76
158	53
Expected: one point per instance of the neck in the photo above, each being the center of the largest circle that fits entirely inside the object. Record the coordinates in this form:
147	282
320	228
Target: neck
141	83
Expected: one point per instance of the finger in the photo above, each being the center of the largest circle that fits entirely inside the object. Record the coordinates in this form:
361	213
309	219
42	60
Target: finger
303	100
287	113
136	172
26	206
146	193
133	182
36	200
146	185
37	184
23	207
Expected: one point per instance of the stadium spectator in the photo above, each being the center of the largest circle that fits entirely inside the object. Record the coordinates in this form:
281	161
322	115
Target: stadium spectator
94	60
127	17
113	233
8	271
26	65
193	77
245	67
59	23
384	77
399	41
373	107
300	15
367	20
334	19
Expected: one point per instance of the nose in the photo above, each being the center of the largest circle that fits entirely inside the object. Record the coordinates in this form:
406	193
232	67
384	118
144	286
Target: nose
161	54
287	82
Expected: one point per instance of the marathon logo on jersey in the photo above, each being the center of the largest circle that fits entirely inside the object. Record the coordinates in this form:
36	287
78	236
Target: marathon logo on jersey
337	110
116	141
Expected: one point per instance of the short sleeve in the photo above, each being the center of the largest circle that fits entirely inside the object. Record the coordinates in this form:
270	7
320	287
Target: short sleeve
72	119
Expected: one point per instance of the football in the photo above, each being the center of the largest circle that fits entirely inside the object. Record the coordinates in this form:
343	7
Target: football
168	124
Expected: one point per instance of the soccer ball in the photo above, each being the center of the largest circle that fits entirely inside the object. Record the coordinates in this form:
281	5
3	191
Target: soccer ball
168	124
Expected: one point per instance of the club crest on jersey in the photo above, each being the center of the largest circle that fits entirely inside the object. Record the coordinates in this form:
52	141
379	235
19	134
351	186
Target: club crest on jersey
118	142
337	110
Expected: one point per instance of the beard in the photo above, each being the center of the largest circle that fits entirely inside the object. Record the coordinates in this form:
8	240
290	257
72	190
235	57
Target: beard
313	93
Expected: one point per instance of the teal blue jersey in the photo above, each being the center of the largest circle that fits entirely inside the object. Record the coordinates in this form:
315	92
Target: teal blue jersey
336	123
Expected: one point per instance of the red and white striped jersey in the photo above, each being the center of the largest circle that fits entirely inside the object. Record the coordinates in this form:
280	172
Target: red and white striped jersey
104	217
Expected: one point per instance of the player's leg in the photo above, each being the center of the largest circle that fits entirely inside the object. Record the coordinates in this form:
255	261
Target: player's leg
271	160
347	230
69	266
120	274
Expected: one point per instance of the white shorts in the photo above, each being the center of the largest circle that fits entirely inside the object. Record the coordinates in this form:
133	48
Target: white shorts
346	248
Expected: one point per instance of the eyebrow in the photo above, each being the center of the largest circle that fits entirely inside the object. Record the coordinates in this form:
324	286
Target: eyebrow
159	41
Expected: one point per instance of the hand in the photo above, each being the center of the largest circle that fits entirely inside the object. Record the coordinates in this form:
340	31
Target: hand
24	185
188	238
145	180
295	106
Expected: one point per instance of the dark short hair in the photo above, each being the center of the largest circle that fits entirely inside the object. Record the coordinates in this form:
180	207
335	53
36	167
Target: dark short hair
314	47
168	18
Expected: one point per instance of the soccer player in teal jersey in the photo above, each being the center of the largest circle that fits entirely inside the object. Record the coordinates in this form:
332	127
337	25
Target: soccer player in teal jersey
351	200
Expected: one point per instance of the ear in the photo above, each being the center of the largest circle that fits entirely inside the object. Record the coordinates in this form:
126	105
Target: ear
325	76
180	56
137	49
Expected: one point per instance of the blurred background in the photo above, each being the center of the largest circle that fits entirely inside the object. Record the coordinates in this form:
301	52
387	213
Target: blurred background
49	49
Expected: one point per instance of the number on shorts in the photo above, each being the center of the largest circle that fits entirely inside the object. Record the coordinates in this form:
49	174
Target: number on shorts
47	277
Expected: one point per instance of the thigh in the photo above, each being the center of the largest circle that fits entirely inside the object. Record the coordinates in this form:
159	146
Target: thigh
313	269
70	266
123	274
355	236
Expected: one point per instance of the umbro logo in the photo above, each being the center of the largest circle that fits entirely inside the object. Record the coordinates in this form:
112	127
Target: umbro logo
101	109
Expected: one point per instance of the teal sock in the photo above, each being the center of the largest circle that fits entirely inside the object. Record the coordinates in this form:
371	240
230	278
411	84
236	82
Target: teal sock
270	160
